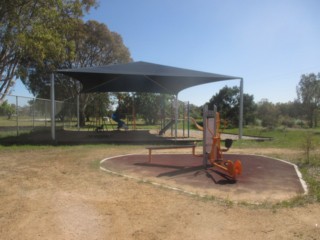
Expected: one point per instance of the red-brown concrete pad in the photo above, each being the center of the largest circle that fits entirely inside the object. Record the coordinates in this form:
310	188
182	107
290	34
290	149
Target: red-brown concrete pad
262	179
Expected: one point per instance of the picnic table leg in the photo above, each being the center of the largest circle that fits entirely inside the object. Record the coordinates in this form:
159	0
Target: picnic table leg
193	150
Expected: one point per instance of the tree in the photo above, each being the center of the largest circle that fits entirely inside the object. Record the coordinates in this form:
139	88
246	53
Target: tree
33	31
7	109
95	45
99	107
308	91
126	103
148	105
151	107
289	113
227	101
268	113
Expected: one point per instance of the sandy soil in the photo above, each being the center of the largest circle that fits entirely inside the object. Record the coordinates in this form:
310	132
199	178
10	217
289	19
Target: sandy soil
60	193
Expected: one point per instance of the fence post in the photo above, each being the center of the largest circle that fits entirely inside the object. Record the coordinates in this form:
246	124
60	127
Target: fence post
53	122
17	115
78	111
33	112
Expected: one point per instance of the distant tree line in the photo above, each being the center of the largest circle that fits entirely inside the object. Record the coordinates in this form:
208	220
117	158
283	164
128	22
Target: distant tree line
301	112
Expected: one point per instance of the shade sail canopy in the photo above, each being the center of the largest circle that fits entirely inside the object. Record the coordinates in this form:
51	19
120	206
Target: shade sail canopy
140	77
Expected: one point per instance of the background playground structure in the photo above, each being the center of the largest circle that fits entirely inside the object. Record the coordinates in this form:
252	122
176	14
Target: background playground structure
33	114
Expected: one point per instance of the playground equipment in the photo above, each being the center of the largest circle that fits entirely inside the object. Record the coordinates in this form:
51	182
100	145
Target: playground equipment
182	109
115	117
212	151
166	127
100	124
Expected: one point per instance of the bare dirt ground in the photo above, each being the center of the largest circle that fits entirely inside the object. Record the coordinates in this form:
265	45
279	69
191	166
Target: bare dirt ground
60	193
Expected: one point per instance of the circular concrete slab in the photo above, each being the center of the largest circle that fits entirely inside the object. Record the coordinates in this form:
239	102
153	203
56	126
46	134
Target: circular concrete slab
263	178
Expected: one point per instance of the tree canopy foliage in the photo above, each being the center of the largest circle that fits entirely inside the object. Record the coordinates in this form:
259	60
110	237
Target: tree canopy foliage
7	109
35	32
39	37
227	101
308	91
95	45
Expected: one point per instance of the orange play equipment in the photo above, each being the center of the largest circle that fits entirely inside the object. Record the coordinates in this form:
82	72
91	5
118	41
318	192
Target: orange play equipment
212	151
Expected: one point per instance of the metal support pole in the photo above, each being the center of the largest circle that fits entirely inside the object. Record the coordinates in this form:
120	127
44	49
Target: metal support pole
176	116
17	115
33	113
183	118
53	110
45	112
78	111
188	115
215	132
241	110
204	151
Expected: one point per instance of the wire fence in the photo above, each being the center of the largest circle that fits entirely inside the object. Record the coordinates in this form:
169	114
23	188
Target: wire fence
20	115
23	114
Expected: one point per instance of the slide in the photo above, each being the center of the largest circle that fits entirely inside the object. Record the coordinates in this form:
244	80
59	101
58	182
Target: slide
163	130
196	124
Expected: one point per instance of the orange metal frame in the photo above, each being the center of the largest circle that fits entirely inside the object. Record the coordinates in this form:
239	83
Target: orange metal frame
215	156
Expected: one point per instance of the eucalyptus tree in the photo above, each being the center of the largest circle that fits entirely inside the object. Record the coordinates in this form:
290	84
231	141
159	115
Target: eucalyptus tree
227	101
268	113
308	91
34	31
94	45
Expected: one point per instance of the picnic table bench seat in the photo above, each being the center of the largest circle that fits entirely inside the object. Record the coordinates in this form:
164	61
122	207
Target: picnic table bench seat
151	148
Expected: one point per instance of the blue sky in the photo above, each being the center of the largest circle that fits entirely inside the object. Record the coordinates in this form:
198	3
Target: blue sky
268	43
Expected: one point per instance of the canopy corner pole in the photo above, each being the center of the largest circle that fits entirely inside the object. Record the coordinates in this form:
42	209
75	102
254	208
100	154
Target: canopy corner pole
78	111
188	116
176	116
78	105
241	110
53	110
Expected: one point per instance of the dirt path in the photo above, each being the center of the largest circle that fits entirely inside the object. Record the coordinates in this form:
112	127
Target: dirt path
59	193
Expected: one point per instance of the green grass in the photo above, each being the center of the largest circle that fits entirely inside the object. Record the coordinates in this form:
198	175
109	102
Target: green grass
278	138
